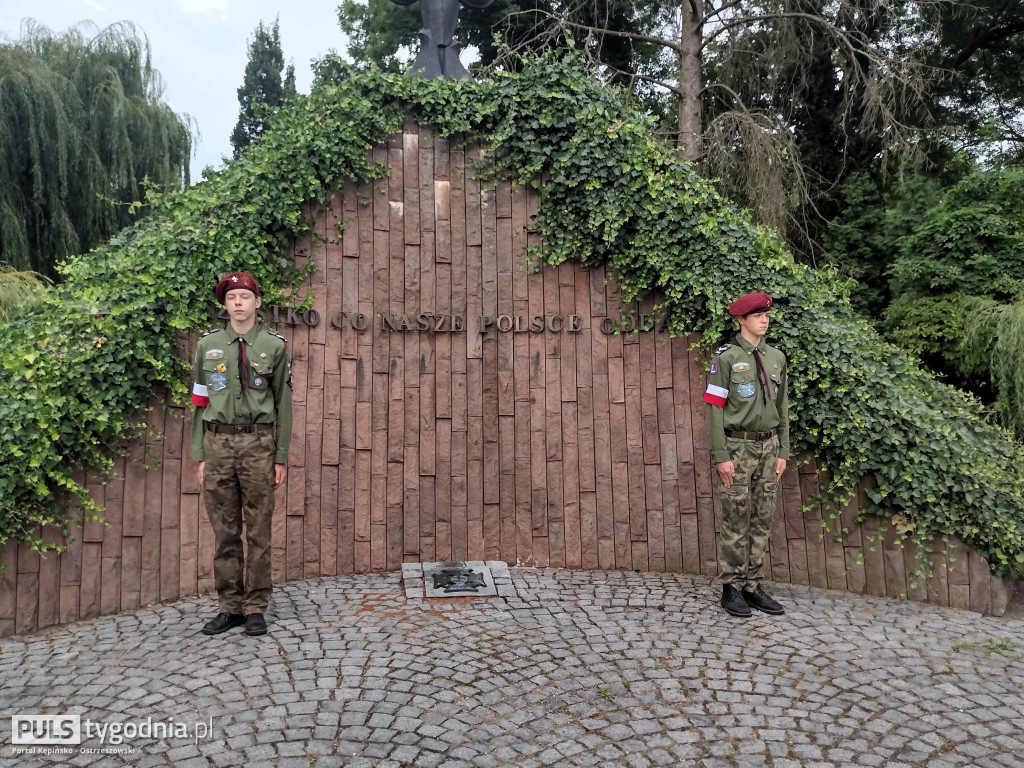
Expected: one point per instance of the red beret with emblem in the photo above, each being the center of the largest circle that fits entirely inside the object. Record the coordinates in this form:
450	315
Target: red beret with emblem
751	302
235	280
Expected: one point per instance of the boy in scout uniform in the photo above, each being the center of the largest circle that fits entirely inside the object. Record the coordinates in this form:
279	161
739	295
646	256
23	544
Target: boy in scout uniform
748	432
241	429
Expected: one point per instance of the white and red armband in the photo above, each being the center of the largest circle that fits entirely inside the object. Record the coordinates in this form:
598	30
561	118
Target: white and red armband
716	395
200	395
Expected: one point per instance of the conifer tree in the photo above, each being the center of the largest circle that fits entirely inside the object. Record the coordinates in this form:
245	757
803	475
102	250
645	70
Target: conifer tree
263	87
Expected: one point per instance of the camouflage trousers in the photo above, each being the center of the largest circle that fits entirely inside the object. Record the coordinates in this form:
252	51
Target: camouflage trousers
238	485
747	508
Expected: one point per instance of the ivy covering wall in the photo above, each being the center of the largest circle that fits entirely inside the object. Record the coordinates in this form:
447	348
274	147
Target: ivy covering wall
79	369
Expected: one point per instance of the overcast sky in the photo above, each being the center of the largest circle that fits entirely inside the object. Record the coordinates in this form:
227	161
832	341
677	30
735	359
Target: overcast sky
200	48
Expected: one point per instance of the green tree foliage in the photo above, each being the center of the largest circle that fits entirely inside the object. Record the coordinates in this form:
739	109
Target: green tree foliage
972	242
18	291
875	214
980	102
83	131
377	30
75	372
958	287
263	89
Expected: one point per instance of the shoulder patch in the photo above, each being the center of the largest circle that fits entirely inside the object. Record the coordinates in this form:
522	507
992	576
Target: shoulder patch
274	334
212	330
722	349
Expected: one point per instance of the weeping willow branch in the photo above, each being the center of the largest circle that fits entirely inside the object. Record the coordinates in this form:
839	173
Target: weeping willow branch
18	290
84	131
993	345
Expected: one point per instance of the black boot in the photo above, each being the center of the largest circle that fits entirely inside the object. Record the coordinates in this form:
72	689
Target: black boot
733	601
763	601
255	624
222	622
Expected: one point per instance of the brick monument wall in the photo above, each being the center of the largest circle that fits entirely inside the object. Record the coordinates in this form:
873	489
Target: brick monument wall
451	405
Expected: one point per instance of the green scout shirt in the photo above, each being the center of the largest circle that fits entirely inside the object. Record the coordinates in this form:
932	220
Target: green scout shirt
734	395
217	393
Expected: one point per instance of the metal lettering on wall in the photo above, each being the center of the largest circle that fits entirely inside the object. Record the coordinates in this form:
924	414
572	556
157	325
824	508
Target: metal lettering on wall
431	322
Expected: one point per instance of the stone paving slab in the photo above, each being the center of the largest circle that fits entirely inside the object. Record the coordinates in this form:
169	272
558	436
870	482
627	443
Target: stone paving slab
568	668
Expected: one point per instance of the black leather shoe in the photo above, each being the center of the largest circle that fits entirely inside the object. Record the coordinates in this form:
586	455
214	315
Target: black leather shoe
222	622
733	601
763	601
255	624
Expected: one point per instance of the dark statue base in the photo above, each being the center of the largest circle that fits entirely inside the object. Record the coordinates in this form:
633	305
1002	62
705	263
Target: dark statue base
435	61
439	50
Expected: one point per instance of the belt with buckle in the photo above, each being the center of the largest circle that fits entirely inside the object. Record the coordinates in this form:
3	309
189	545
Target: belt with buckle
751	435
237	429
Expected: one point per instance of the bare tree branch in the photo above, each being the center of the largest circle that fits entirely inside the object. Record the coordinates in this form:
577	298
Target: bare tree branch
723	9
671	44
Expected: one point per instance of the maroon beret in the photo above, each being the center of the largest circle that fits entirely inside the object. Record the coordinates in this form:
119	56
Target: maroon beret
751	302
235	280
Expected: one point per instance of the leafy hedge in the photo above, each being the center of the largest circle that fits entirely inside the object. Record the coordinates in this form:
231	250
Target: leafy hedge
76	372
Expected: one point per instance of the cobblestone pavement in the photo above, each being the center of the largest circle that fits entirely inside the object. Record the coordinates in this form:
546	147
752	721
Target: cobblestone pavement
575	669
